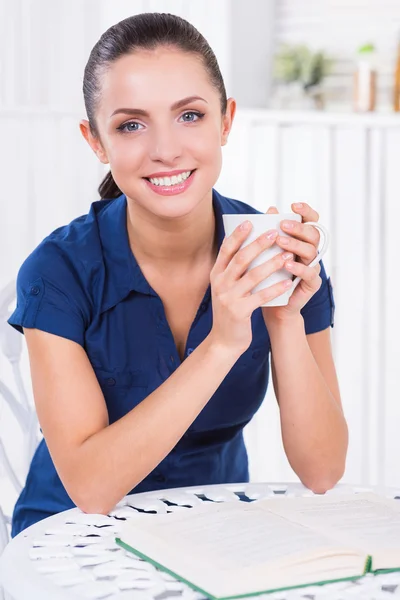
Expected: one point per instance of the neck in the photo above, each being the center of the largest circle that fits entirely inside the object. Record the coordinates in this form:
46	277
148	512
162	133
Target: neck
179	241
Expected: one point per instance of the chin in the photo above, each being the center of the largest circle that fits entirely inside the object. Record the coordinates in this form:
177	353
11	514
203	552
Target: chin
173	207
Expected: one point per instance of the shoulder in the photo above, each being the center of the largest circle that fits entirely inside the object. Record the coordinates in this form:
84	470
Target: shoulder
73	249
59	284
232	206
68	263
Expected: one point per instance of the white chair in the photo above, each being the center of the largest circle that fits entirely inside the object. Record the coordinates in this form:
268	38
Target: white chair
18	402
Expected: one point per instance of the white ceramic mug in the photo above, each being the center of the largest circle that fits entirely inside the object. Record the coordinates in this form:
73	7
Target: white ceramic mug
261	224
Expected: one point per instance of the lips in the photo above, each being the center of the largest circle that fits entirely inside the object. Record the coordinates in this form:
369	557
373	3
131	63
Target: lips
173	189
169	174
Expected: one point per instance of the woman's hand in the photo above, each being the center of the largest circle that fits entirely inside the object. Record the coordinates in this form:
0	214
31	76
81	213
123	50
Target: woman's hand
303	243
232	300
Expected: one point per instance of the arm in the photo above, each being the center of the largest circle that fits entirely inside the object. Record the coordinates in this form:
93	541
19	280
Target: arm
100	463
314	430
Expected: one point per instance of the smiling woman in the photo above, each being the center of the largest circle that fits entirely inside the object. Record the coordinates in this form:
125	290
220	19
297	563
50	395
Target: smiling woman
175	114
149	353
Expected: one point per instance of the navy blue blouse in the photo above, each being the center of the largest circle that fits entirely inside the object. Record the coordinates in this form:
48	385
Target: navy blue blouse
84	284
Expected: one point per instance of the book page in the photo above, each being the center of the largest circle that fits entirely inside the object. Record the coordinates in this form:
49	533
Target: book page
366	520
237	548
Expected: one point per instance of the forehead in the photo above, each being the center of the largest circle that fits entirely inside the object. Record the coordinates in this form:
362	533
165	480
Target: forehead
148	78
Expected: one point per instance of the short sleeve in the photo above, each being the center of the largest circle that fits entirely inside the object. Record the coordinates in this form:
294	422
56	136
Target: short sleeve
319	312
50	295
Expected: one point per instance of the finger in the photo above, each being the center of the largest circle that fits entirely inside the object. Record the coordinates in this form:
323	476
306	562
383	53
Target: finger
242	259
230	246
255	276
306	233
272	211
253	301
310	277
307	213
306	252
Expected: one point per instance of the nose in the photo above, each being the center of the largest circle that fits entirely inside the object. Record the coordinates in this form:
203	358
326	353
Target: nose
165	146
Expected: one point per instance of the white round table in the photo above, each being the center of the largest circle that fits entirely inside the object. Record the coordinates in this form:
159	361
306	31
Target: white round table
72	555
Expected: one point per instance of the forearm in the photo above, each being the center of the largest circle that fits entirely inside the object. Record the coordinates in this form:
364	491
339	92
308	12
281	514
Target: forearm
314	429
117	458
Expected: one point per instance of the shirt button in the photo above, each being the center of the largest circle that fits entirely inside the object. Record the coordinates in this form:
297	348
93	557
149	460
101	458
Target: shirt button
203	306
190	350
35	290
161	478
111	381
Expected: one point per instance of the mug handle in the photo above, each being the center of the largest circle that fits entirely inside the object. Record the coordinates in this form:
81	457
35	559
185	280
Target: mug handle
320	254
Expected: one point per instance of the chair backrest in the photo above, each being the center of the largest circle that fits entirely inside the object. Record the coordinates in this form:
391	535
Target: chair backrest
13	394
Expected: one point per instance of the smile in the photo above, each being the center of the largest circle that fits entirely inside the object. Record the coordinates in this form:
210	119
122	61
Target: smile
176	184
169	181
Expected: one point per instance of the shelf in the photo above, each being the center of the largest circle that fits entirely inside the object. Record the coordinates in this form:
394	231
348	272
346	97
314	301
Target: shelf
294	117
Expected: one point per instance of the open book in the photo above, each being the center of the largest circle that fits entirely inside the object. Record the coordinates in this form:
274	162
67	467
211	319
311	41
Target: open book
226	550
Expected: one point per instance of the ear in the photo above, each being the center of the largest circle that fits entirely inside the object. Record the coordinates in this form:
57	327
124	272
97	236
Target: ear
93	141
227	120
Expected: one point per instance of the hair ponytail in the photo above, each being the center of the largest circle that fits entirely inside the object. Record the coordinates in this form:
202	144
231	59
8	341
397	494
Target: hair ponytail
108	188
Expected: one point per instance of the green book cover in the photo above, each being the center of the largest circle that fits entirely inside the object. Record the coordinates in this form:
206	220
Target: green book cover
367	569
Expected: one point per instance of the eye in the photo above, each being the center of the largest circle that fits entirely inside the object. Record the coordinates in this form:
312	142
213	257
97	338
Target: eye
191	116
129	127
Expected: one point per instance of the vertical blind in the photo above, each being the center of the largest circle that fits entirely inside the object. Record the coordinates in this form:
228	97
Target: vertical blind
44	45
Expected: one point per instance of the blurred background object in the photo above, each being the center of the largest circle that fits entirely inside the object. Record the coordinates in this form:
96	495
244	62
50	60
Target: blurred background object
343	163
339	28
365	79
396	91
300	73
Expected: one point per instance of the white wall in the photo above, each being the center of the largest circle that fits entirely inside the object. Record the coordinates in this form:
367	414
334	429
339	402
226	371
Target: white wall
251	43
347	168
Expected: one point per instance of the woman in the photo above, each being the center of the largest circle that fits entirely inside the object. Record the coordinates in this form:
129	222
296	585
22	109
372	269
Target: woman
144	374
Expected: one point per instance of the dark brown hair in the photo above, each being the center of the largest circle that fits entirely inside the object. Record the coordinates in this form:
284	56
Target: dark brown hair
144	31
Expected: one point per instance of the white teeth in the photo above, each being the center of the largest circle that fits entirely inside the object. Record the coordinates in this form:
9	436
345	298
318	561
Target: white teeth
168	181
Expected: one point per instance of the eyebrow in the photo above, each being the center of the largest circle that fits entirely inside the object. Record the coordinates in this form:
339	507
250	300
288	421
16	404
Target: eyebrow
144	113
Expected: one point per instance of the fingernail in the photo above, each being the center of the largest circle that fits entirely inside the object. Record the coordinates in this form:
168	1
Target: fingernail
272	234
283	241
287	283
298	205
287	224
287	256
289	265
244	226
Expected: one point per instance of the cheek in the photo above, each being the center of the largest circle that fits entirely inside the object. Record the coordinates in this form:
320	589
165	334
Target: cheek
206	146
124	155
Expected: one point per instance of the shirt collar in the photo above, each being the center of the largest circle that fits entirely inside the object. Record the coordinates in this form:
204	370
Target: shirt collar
123	274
